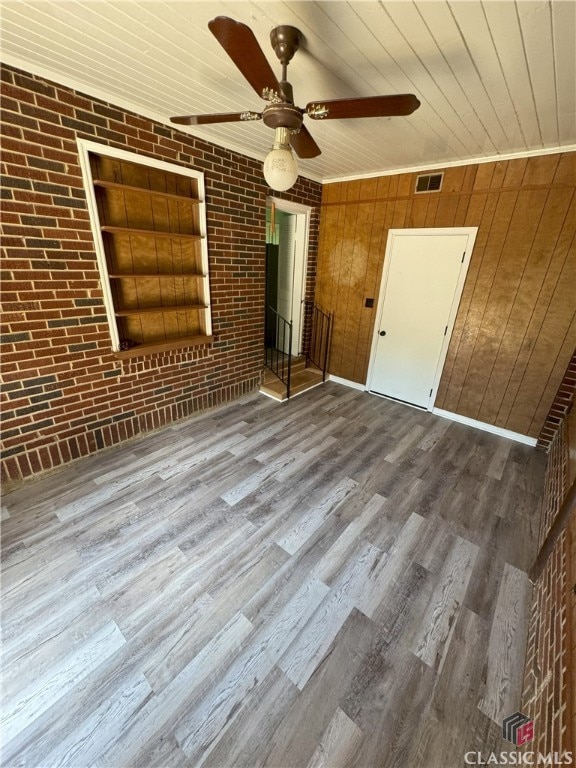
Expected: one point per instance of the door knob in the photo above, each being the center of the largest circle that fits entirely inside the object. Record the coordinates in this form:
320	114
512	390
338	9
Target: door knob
382	333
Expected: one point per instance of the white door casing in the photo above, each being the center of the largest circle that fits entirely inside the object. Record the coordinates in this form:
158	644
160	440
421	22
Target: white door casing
422	282
292	266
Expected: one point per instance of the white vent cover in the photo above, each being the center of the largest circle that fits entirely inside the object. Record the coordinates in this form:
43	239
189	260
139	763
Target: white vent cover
430	182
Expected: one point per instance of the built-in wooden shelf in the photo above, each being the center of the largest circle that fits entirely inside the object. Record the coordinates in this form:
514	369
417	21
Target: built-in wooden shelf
149	232
147	275
155	272
163	309
165	346
144	191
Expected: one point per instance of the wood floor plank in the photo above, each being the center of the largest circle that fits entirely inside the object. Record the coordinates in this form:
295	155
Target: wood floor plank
165	753
340	551
168	707
254	724
387	699
295	740
259	478
307	651
387	573
281	588
451	724
278	633
507	644
94	734
311	521
339	743
403	445
197	732
23	707
432	642
54	650
266	585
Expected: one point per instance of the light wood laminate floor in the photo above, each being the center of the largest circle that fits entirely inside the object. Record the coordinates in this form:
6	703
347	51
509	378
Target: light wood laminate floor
336	581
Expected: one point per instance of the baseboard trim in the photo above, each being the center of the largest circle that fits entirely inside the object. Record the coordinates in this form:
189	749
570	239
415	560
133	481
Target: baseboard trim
485	427
449	415
347	382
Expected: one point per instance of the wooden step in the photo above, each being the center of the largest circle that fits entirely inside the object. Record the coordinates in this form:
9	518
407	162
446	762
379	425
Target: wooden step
301	381
276	390
298	363
304	380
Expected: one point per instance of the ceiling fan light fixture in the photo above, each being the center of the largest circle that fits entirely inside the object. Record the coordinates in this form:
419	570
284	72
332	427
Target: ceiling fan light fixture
280	166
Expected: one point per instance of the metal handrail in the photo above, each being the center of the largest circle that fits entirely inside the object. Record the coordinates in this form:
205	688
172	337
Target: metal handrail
276	359
318	348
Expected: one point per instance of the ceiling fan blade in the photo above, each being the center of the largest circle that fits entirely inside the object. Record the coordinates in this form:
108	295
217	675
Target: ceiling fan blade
225	117
372	106
240	44
303	143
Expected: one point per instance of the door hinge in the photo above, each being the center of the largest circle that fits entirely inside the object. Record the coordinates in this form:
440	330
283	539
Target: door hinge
430	395
445	330
463	257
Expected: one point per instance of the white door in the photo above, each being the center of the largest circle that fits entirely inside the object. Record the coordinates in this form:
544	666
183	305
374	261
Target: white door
423	277
286	260
291	264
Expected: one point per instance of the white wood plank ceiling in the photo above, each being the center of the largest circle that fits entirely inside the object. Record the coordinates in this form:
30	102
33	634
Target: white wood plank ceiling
494	78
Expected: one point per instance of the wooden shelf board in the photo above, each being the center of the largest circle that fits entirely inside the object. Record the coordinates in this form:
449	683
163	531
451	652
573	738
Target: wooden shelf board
119	275
143	190
164	309
164	346
150	232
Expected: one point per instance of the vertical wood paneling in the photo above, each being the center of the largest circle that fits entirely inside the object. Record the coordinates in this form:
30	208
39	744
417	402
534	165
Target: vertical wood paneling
508	271
345	265
520	336
371	288
515	328
515	171
557	338
474	212
360	265
498	212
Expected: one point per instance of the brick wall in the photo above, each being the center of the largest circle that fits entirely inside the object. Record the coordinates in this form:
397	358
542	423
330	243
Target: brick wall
571	647
547	673
64	393
549	695
560	405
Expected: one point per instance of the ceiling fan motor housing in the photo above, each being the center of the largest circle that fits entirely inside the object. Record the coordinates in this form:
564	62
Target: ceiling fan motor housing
282	115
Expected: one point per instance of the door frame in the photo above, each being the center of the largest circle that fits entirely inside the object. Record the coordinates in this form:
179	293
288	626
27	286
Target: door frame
303	212
428	232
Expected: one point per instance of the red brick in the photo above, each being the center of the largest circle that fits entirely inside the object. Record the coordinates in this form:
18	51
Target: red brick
91	394
42	139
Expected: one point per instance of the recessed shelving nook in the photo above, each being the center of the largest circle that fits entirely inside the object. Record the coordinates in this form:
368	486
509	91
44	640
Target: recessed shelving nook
149	224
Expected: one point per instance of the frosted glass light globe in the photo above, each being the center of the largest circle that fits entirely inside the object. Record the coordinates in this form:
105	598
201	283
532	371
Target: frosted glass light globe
280	169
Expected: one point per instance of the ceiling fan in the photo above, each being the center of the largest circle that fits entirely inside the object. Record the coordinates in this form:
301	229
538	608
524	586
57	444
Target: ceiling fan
281	114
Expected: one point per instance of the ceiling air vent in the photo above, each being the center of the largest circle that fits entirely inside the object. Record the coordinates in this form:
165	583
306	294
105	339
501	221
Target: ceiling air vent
431	182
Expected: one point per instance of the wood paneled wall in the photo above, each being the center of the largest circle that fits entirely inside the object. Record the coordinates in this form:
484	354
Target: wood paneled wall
516	325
